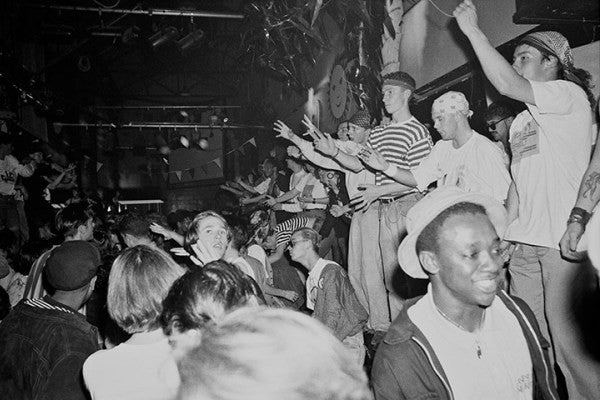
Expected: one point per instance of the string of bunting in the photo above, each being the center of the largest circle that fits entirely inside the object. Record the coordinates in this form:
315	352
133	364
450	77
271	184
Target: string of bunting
217	161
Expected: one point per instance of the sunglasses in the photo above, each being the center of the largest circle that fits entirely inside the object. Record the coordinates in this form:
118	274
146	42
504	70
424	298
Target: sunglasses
492	126
291	243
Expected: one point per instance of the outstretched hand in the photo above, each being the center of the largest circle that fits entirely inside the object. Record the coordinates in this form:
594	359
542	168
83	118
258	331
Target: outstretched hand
284	131
203	253
373	159
368	194
466	17
160	230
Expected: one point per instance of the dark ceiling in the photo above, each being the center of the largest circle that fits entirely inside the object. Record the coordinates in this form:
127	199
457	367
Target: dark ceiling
100	52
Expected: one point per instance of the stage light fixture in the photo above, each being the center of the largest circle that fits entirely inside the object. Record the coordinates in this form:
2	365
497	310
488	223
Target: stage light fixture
190	40
163	36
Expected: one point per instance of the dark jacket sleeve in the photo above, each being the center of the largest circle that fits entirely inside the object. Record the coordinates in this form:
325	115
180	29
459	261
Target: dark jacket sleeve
65	381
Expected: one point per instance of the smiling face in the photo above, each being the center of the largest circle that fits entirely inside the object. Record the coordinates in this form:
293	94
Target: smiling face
338	90
469	260
213	233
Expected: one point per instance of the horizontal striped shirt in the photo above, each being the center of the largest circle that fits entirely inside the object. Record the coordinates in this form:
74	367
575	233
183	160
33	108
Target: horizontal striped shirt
403	144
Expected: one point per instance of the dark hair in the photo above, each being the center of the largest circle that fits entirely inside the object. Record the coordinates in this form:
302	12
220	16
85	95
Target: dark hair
274	163
500	109
7	239
239	233
402	77
72	217
204	295
134	224
428	240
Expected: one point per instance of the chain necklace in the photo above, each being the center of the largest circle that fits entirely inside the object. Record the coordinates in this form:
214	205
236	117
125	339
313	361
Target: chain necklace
459	326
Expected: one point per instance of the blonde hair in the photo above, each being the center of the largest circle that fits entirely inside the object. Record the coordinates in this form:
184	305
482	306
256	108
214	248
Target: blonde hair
139	281
271	354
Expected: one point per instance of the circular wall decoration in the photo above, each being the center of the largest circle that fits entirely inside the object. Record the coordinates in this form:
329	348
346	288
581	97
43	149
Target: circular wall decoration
338	91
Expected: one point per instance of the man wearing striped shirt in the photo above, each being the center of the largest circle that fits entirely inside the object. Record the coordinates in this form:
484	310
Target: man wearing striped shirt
404	142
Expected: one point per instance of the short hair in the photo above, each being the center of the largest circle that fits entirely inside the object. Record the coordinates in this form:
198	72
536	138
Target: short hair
191	236
239	234
139	281
428	240
408	82
72	217
134	224
204	295
311	235
271	354
500	109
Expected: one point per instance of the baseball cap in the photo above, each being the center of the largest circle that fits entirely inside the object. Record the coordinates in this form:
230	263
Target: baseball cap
72	265
432	205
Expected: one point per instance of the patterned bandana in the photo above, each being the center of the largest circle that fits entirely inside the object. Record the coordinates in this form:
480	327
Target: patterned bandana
553	43
450	103
361	118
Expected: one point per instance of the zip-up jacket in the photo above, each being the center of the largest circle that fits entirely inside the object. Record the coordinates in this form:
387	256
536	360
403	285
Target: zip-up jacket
406	367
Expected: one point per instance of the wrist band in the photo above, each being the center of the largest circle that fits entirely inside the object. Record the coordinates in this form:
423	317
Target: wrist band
336	152
580	216
391	170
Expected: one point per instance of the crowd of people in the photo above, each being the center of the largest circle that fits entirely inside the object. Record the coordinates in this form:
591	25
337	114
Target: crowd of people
367	263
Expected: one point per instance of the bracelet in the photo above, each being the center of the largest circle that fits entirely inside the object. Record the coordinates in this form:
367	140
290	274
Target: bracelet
336	153
580	216
391	170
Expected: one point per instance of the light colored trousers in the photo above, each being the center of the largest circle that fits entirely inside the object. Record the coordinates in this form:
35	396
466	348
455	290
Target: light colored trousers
559	293
392	229
365	268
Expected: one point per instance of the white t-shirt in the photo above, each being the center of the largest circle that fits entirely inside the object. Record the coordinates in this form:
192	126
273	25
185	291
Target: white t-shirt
262	187
551	146
504	370
476	166
132	371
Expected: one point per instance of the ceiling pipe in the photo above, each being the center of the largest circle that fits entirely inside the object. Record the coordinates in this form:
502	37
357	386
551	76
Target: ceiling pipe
159	126
169	107
149	12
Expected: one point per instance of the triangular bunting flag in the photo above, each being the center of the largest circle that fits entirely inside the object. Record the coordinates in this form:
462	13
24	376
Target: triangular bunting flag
178	174
241	149
252	142
192	172
98	166
218	162
165	175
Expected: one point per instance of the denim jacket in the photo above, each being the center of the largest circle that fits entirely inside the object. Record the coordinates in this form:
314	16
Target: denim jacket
406	367
43	345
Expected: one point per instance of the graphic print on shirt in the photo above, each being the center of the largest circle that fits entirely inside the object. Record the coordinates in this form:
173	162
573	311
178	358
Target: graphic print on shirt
526	141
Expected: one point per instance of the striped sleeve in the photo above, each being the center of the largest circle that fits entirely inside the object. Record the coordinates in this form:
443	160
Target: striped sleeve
418	151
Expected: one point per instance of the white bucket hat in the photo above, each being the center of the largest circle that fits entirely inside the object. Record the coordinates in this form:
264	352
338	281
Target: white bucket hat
432	205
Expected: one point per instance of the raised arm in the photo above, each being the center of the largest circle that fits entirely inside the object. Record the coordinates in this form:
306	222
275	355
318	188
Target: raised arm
499	72
325	144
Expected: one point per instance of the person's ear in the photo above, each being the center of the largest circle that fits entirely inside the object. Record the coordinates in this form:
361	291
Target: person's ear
429	262
550	62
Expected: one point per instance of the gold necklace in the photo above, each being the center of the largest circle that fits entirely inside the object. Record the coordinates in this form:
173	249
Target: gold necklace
477	345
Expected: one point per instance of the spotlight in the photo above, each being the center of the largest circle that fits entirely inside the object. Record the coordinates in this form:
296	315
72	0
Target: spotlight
185	142
163	36
189	41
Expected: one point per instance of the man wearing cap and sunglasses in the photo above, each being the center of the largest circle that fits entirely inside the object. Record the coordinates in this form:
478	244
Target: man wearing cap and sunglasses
466	338
498	118
551	144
